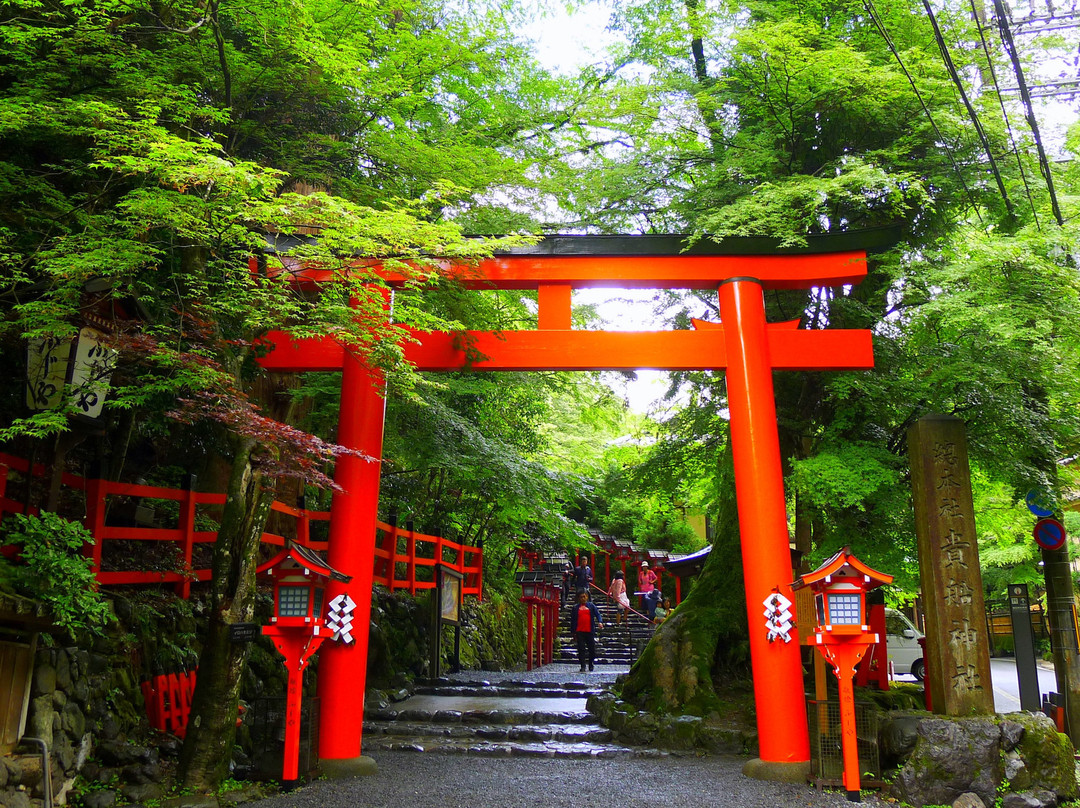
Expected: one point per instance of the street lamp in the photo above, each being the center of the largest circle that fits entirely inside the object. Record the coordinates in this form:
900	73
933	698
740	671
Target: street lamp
531	583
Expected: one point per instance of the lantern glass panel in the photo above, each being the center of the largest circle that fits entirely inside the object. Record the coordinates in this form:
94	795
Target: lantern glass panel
844	610
293	601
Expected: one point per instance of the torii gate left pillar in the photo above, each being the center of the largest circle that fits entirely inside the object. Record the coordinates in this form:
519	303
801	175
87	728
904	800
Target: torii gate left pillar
353	517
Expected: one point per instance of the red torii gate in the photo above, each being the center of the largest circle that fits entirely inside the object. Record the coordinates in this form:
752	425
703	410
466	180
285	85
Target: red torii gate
747	347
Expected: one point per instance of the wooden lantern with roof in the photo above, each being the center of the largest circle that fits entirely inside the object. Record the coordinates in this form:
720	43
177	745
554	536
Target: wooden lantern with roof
842	635
297	629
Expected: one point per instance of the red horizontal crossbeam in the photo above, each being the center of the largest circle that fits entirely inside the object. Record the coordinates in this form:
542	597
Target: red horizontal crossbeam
789	349
630	271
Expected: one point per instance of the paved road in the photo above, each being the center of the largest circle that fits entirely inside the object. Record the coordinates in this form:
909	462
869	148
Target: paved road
1006	689
412	780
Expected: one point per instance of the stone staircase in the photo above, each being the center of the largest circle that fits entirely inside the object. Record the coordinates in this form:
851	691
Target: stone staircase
615	645
512	718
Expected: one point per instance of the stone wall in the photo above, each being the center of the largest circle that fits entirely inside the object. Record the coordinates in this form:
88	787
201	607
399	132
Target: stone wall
80	703
87	705
492	636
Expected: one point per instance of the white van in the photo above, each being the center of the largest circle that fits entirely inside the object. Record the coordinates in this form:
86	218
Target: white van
905	653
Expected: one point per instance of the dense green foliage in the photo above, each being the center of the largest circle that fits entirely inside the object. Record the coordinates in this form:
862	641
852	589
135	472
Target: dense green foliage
146	151
52	568
792	119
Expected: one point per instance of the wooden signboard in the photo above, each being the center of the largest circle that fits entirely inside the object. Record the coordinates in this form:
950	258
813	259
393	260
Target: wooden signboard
16	667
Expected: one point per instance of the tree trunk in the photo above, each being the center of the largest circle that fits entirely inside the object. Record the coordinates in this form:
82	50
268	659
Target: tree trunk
706	634
211	729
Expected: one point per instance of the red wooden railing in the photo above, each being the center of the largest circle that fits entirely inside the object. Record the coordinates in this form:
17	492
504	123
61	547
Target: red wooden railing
168	701
404	559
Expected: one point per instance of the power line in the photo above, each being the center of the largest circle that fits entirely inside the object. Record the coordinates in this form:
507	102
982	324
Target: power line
1050	92
1047	29
1005	115
869	6
951	67
1029	109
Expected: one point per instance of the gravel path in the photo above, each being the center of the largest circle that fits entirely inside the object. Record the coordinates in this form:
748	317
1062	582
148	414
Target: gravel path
412	780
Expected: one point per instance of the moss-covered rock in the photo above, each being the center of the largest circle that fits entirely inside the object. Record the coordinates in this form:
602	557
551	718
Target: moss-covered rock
1047	755
987	755
679	732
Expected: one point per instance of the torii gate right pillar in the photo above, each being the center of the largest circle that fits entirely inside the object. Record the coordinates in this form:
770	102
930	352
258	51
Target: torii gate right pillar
783	738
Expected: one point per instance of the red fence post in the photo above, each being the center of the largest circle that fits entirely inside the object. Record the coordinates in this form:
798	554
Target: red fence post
96	490
187	532
480	572
303	525
528	636
410	564
184	691
391	561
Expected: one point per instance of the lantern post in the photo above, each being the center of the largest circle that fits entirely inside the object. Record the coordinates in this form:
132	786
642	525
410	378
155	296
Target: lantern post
531	583
297	629
842	635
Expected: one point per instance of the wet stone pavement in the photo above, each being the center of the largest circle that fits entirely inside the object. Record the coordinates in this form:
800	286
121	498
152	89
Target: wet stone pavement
510	740
539	714
410	780
482	739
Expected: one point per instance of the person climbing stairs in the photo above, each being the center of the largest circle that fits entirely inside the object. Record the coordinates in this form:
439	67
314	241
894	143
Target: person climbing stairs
615	644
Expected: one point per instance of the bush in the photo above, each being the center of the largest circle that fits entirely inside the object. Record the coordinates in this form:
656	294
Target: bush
52	569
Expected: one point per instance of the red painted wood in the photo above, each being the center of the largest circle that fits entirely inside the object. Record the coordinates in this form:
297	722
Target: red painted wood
629	271
554	301
763	529
353	524
100	489
95	519
588	350
410	565
187	541
528	636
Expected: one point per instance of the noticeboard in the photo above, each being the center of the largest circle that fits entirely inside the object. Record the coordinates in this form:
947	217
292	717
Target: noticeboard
449	593
446	609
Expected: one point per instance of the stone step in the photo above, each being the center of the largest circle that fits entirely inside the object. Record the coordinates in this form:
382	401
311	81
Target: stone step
569	688
609	643
528	733
550	749
506	691
571	655
617	653
482	717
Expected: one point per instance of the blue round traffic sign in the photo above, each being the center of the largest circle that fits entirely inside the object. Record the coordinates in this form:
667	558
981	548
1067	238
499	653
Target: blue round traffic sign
1038	503
1049	534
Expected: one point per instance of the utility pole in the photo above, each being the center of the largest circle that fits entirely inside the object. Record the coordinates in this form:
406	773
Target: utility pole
1061	611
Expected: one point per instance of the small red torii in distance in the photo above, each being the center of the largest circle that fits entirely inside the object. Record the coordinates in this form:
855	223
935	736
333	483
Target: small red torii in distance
744	345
